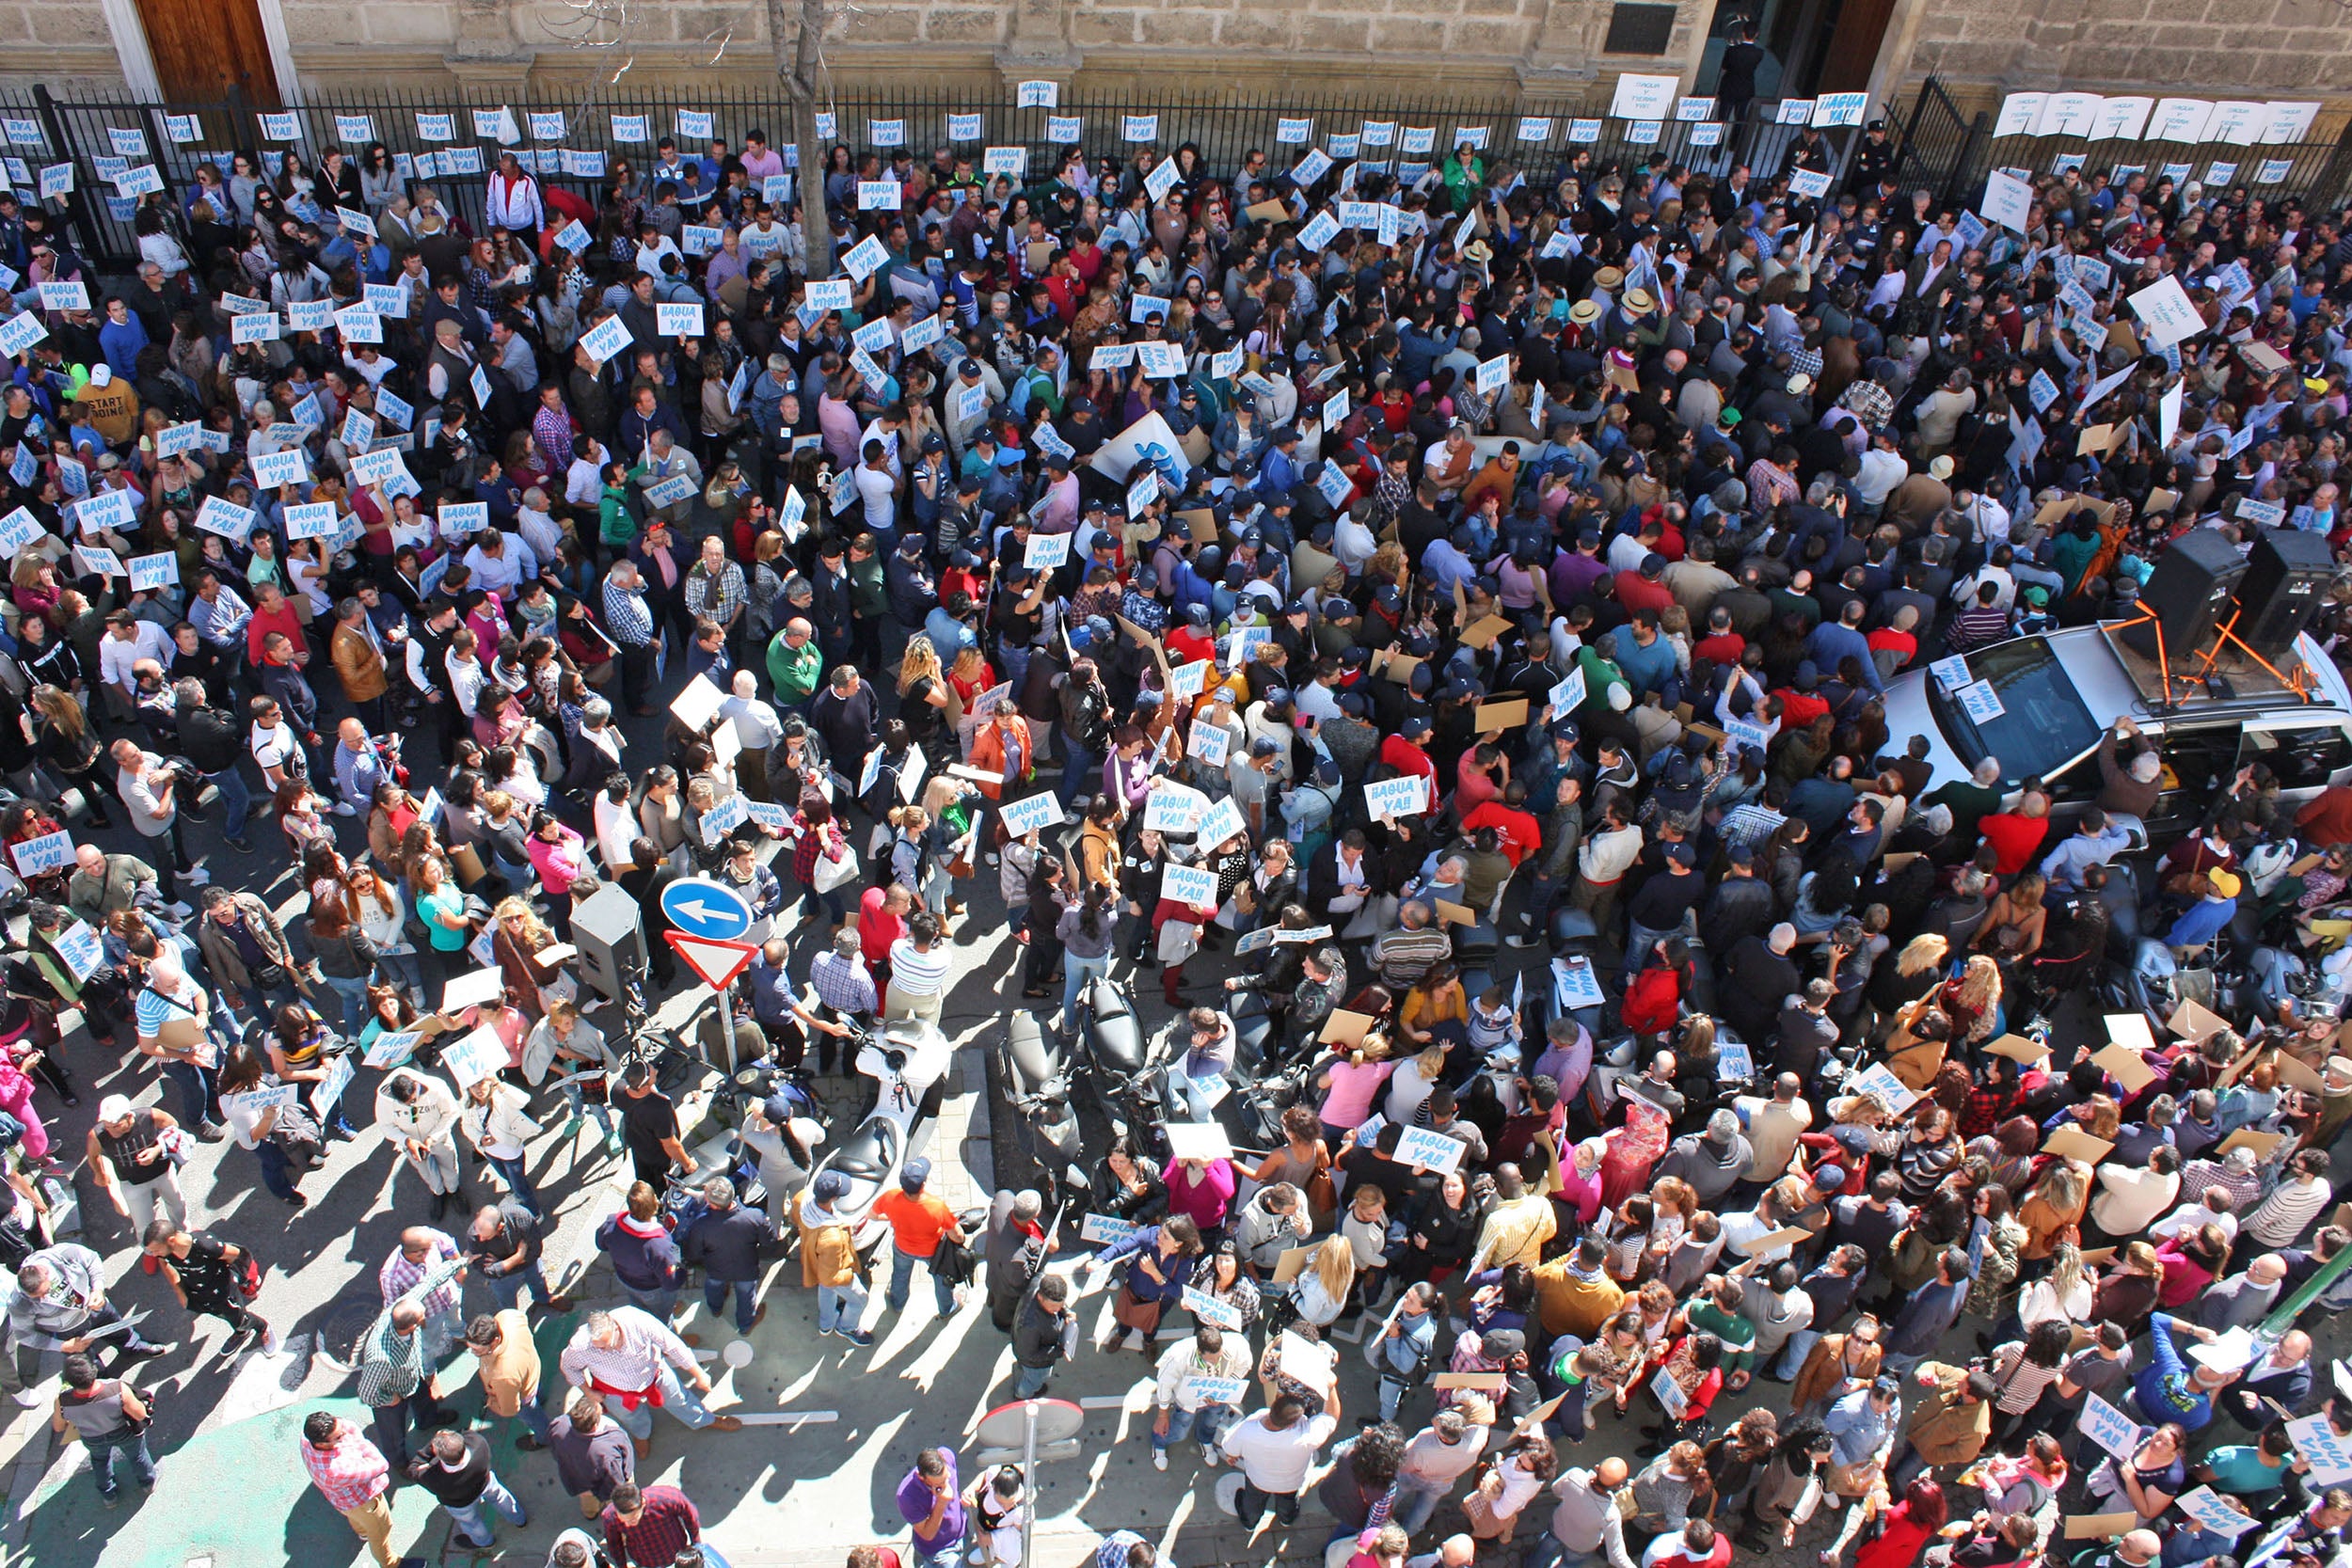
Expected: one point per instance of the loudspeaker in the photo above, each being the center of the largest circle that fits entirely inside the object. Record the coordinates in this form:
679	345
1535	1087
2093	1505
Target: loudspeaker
2188	593
2285	578
611	940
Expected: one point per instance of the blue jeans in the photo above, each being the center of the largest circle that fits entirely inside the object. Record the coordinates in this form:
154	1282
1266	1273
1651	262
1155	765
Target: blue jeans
131	1446
660	1303
1076	971
1030	1382
902	1279
276	1174
947	1554
534	1417
579	1104
746	1300
237	800
474	1520
811	901
405	969
678	1398
355	994
1414	1505
517	1179
195	1084
839	1306
1206	1426
507	1289
1081	772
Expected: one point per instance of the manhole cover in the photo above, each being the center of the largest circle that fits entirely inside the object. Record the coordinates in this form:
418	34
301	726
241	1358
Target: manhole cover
338	1339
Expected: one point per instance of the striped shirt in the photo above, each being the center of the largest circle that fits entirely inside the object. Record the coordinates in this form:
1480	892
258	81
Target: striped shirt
2290	1206
1404	955
635	1363
916	972
399	1276
352	1474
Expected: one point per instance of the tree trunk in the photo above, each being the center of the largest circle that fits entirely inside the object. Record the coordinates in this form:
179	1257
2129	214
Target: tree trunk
799	78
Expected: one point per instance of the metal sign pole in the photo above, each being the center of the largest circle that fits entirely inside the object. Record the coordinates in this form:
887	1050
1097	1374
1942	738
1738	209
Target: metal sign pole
1028	1479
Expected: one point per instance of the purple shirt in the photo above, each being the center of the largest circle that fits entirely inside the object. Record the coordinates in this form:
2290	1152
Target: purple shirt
915	1505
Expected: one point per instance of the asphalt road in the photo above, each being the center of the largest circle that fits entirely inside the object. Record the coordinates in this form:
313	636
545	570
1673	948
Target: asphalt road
798	1492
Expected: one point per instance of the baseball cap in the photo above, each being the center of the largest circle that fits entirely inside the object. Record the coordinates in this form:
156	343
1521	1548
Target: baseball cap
1415	727
914	1174
830	1185
114	1108
1682	855
2225	883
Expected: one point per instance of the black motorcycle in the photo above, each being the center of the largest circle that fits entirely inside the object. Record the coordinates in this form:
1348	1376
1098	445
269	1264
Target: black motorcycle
1034	1068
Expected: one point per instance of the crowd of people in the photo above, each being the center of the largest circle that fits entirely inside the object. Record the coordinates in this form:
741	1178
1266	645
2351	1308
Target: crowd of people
1595	502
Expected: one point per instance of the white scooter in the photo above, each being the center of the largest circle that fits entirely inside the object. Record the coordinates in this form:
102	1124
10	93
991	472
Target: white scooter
908	1061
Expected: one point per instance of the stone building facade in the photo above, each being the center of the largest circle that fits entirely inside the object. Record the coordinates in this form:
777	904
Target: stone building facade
1566	51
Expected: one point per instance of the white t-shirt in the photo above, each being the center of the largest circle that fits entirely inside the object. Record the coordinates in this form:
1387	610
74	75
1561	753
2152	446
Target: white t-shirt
1277	1462
274	747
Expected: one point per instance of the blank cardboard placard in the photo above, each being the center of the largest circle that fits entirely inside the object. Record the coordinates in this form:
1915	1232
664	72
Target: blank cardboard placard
2248	1137
2098	1527
2018	1048
1302	1360
1765	1245
2096	440
2130	1029
2073	1143
2097	1256
1484	632
1510	714
1202	522
2195	1023
2122	1064
472	990
1455	914
1198	1140
1344	1028
2295	1072
1269	211
1484	1383
1292	1263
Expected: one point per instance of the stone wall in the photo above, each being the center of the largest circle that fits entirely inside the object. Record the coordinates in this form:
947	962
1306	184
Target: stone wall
2203	48
1328	52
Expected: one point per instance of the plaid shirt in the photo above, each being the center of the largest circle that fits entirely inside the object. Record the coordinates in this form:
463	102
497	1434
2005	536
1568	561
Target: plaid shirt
625	612
352	1474
1870	399
843	984
731	597
551	428
398	1276
391	1364
1767	484
667	1526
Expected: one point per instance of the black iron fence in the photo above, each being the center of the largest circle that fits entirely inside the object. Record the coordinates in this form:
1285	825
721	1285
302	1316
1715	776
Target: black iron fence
1948	153
453	141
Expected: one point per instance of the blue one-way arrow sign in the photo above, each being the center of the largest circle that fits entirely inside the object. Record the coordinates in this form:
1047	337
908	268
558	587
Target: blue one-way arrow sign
701	907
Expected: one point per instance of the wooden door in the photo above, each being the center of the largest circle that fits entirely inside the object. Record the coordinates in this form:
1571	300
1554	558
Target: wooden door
204	48
1854	46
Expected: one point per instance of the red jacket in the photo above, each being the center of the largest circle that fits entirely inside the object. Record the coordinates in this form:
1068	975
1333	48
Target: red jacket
2016	839
1651	1001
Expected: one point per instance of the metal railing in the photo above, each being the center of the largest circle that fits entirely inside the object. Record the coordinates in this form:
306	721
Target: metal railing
1949	153
1541	136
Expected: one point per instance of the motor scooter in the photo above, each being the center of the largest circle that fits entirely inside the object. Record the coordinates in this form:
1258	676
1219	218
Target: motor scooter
1114	1060
1033	1068
908	1060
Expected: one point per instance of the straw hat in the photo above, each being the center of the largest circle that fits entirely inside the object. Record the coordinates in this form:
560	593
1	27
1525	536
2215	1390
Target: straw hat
1584	312
1638	302
1608	278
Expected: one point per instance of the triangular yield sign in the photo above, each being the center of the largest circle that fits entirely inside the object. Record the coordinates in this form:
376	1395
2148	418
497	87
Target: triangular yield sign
716	961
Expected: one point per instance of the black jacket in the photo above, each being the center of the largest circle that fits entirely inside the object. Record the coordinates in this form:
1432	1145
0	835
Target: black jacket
726	1247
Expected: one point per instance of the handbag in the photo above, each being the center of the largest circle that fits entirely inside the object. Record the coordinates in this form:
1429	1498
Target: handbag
835	871
1179	940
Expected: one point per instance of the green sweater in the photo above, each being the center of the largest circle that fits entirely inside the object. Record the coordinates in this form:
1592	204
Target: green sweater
794	671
